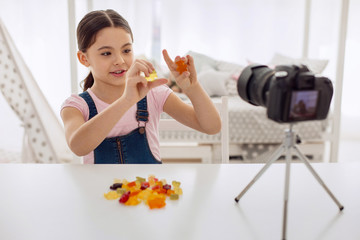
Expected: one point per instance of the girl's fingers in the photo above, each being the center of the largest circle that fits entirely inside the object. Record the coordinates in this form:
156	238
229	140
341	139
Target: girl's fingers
171	65
191	65
141	66
184	76
157	82
150	68
183	81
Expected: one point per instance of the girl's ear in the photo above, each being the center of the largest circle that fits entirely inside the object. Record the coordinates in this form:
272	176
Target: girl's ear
82	58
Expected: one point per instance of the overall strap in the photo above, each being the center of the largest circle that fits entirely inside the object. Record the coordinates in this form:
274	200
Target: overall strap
90	102
141	113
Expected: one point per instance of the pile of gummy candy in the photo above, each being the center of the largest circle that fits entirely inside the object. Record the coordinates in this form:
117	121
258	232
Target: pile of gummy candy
152	192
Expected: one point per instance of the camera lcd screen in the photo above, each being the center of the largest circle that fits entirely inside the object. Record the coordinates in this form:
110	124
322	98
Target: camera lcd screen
303	105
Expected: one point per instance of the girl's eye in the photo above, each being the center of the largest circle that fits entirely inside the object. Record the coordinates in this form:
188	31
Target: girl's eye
106	53
127	50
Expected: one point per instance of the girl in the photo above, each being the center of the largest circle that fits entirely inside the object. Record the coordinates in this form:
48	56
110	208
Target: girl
115	119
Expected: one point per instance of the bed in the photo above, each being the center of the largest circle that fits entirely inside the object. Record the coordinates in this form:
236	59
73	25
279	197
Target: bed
251	134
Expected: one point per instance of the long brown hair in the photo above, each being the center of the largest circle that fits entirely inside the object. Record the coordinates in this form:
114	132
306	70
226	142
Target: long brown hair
90	25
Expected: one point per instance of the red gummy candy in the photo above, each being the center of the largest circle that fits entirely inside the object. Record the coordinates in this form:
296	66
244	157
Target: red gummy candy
155	187
167	186
124	197
181	66
144	185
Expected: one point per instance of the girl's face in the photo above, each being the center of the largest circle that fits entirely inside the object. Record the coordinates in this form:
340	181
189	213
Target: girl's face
109	57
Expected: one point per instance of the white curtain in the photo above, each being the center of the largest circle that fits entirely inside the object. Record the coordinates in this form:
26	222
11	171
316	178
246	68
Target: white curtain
43	134
236	31
39	30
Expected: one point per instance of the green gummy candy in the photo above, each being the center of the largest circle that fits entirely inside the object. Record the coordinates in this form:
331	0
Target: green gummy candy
121	191
140	179
174	196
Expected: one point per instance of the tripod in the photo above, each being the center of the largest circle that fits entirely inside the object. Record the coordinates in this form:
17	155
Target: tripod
287	145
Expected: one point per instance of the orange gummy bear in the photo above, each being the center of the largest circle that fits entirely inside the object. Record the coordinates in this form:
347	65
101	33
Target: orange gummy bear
181	66
156	203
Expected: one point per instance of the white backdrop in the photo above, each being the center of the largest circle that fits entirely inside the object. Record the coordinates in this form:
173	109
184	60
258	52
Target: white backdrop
230	30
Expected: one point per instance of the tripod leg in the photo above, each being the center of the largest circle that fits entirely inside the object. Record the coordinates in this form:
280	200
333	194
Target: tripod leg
311	169
286	191
272	159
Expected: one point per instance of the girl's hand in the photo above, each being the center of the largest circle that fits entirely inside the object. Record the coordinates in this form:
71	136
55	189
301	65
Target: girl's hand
188	78
136	86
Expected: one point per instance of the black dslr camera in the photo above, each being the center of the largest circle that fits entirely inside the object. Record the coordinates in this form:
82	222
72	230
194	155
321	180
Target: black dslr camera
290	93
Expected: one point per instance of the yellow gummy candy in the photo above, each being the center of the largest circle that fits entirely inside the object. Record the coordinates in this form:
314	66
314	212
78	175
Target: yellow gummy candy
144	195
151	180
138	184
111	195
132	201
152	76
176	184
116	180
178	191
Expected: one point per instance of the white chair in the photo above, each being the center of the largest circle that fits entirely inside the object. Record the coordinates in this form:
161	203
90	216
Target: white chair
193	150
44	140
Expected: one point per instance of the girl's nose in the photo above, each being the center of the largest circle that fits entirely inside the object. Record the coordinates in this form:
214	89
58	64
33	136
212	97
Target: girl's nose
119	60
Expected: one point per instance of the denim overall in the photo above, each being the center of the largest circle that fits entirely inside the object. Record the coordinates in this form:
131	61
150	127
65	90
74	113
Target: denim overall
132	148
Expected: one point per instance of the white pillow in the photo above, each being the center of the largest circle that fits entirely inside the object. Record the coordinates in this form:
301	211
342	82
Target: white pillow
317	66
229	67
213	82
234	71
202	61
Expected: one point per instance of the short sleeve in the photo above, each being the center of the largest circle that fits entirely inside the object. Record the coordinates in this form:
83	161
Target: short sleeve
161	93
75	101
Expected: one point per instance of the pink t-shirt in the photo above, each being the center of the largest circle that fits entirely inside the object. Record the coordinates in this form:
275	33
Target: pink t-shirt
155	102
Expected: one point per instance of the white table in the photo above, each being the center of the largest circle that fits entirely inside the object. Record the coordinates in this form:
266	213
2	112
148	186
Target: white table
66	202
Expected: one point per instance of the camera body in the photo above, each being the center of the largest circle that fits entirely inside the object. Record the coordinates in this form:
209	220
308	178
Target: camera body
290	93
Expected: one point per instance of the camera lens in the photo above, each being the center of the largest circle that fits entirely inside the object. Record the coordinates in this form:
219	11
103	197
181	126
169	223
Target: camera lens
253	84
